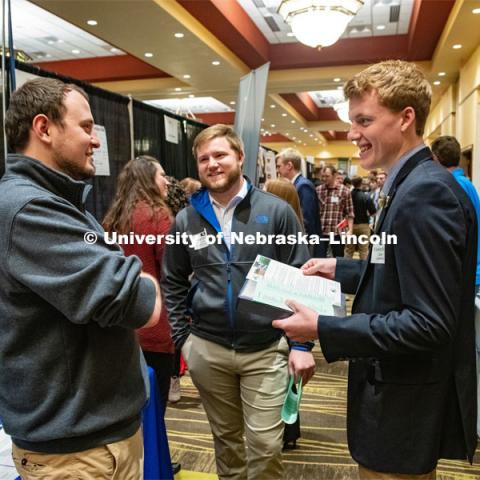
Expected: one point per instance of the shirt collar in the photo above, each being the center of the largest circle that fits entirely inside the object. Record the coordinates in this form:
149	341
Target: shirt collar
458	172
242	193
392	174
295	177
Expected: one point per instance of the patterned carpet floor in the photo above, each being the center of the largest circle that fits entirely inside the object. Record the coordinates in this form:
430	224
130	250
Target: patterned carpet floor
322	452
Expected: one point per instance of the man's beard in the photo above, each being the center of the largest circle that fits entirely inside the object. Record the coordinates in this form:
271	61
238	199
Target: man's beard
73	170
225	184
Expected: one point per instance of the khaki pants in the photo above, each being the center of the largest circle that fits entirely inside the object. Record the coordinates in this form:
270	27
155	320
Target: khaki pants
366	474
116	461
242	393
359	229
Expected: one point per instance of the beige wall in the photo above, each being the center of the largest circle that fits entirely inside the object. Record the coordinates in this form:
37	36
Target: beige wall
457	112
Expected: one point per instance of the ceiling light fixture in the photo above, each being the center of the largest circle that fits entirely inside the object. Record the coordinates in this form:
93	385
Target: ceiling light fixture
476	11
319	23
381	27
284	114
232	102
148	54
457	46
436	82
216	63
75	51
337	79
441	74
186	77
178	89
179	35
92	22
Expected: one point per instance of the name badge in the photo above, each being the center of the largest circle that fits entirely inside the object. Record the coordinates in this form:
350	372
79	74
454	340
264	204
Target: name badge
378	254
199	240
334	199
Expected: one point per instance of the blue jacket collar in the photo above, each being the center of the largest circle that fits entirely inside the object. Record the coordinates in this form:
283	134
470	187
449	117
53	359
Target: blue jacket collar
200	201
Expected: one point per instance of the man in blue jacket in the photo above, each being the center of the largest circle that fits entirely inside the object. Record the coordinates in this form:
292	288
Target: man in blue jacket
410	338
289	164
238	362
71	387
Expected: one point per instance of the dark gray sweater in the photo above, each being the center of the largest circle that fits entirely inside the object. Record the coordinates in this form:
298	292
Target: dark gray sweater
70	376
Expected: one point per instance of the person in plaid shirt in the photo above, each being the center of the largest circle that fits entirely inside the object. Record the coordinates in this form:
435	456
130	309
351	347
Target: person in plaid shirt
335	206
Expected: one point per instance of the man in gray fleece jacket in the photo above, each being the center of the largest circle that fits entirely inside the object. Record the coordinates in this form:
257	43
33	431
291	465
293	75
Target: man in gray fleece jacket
71	388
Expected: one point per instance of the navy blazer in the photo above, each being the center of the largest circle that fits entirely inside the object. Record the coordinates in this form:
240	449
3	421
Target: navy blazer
310	208
410	338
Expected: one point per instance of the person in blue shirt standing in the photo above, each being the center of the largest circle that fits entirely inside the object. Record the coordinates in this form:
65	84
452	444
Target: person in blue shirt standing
446	150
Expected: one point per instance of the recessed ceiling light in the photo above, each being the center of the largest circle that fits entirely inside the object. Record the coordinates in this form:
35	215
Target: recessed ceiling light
186	76
337	79
148	54
191	95
179	35
232	102
339	87
272	105
293	121
273	125
284	114
92	22
75	51
476	11
441	74
216	63
437	82
457	46
311	135
381	27
178	89
294	138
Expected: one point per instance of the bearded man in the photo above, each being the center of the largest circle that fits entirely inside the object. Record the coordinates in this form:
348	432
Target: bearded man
238	362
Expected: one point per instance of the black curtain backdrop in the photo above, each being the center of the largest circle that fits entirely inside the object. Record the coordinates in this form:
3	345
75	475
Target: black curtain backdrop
149	133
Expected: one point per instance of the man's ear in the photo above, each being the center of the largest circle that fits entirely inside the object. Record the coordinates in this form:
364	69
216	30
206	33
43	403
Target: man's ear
41	128
408	118
241	158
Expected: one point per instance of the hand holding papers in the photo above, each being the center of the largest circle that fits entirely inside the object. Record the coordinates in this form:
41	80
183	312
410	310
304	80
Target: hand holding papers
270	284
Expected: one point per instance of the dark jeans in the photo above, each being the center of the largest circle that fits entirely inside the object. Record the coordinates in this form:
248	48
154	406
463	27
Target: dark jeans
162	364
337	250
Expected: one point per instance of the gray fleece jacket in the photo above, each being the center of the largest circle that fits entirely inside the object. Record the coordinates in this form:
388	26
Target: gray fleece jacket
70	376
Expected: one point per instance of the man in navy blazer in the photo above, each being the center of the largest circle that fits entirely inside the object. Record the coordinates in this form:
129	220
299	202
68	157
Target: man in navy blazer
289	164
410	338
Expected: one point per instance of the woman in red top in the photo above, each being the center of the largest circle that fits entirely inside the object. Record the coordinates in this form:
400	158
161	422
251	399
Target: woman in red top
139	206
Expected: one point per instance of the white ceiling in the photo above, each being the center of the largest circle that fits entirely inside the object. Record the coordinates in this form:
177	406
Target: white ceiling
191	105
373	14
46	37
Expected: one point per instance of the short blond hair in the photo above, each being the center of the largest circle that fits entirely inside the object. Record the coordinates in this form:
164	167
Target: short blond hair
291	155
218	131
398	84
